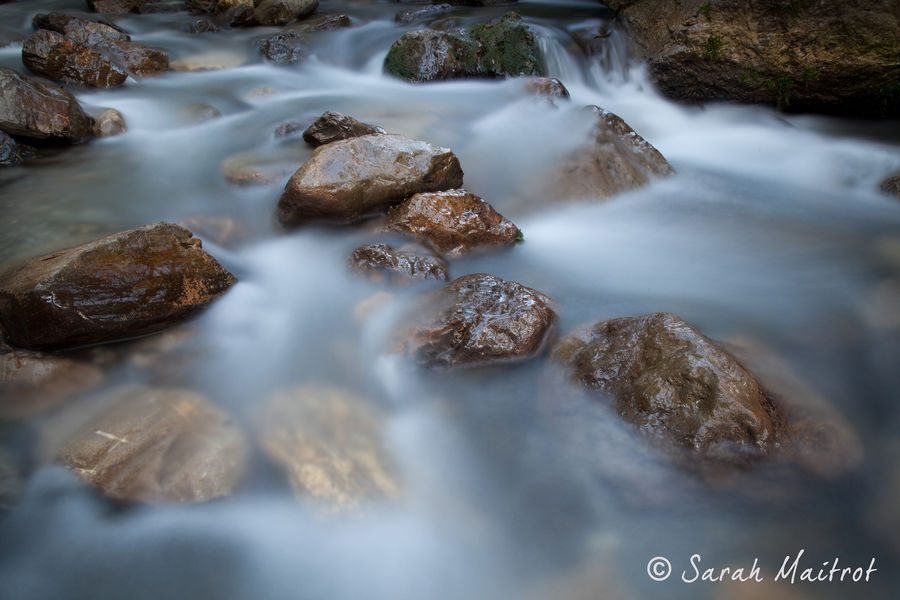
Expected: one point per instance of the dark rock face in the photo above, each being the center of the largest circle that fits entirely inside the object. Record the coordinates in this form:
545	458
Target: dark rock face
31	382
49	54
891	186
793	55
333	126
128	284
483	320
617	160
330	444
158	445
455	222
502	48
38	111
352	179
381	261
9	151
672	382
281	12
286	47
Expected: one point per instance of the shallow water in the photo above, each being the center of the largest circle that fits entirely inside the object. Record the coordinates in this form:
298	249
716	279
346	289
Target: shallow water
772	229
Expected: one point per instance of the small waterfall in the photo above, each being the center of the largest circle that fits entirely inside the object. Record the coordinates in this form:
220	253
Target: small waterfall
558	62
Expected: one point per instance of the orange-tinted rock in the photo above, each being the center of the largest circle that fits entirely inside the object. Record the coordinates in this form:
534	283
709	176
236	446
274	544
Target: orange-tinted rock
50	54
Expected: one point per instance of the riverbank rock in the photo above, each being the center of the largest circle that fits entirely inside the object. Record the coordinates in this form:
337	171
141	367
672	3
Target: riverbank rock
281	12
616	160
674	384
352	179
38	111
50	54
9	151
793	55
891	186
128	284
455	222
31	382
333	127
504	47
158	445
482	320
398	265
108	123
330	444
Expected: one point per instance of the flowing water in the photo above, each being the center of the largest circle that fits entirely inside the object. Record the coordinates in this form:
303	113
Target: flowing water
772	230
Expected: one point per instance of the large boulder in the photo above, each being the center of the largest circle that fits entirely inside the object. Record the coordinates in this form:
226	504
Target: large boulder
352	179
158	445
479	320
330	443
50	54
281	12
502	48
398	265
333	126
615	160
128	284
675	384
39	111
455	222
799	55
31	382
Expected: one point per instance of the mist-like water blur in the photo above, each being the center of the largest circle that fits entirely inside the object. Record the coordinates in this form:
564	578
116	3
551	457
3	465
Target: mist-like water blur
513	485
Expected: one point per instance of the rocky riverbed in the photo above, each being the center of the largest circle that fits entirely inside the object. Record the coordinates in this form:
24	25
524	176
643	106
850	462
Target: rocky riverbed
351	298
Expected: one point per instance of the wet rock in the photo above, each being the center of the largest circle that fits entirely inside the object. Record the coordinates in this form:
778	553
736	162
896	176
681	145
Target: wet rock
286	47
140	61
455	222
502	48
321	23
201	112
9	151
158	445
39	111
289	128
128	284
333	126
221	230
793	55
616	160
50	54
352	179
108	123
330	444
281	12
891	186
547	86
31	382
116	7
202	26
483	320
78	30
418	14
675	384
161	6
236	13
381	261
251	169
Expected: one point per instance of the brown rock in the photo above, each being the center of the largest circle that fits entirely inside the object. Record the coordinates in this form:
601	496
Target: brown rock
333	126
158	445
108	123
455	222
352	179
330	444
281	12
31	382
116	7
320	23
482	320
672	382
38	111
616	160
80	31
380	261
125	285
50	54
140	61
891	186
547	86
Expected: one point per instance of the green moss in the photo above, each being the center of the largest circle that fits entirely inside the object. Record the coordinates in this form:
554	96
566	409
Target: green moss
507	47
704	10
520	237
781	87
713	47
